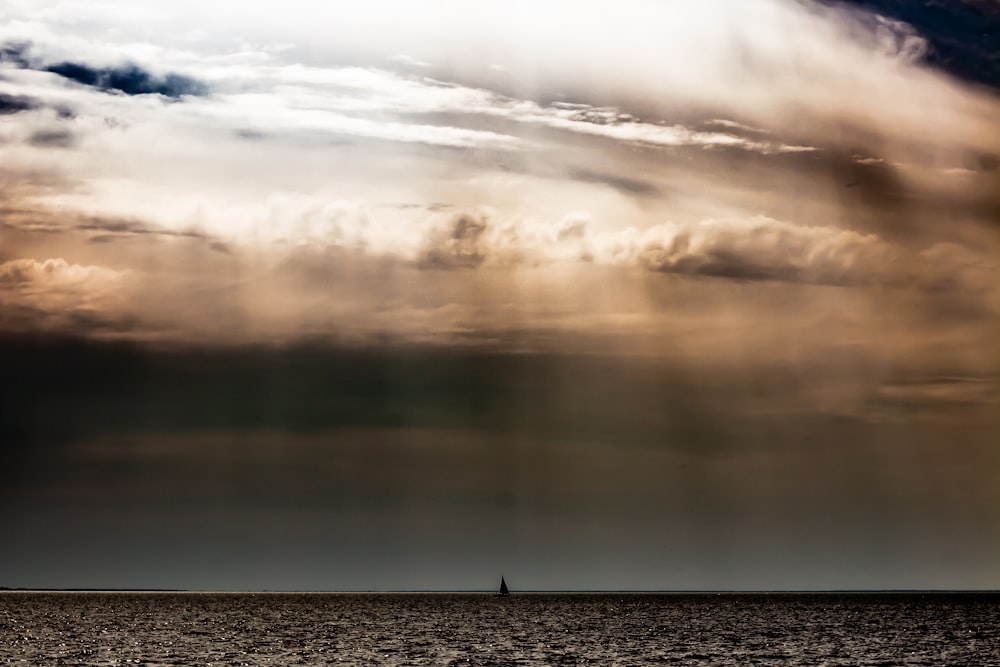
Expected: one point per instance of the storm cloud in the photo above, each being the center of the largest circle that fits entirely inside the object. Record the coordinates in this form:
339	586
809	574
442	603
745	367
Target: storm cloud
129	79
674	295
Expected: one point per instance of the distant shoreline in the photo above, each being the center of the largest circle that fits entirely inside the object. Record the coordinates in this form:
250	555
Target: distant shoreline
959	591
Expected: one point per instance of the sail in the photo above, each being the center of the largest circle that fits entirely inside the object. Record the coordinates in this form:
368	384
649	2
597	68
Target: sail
503	587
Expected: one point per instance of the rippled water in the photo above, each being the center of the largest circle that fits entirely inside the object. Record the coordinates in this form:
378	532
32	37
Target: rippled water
479	629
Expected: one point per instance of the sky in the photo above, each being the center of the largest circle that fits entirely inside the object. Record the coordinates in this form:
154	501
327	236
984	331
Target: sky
406	296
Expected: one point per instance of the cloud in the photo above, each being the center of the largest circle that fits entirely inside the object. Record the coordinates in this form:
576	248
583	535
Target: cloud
129	79
14	104
751	249
923	393
351	90
756	249
54	295
54	272
11	104
376	103
96	228
116	227
479	278
733	125
55	138
408	61
591	150
92	300
769	60
332	125
989	161
611	123
268	112
457	245
632	186
479	237
15	53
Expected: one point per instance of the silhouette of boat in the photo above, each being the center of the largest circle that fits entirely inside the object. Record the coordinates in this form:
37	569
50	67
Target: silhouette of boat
504	592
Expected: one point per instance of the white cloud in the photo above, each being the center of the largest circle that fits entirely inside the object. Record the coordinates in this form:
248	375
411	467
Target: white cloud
302	92
611	124
745	249
409	61
56	272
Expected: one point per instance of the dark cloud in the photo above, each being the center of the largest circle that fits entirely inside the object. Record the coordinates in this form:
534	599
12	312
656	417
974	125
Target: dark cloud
81	319
109	228
727	264
108	388
856	186
251	135
557	451
129	79
16	54
58	138
627	185
763	249
403	206
11	104
79	234
127	387
104	238
862	180
936	393
722	262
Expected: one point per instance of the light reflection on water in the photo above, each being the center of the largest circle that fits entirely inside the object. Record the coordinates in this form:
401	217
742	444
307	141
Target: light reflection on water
479	629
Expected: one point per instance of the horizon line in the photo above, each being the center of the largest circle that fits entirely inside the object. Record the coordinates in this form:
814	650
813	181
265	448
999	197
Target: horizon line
608	591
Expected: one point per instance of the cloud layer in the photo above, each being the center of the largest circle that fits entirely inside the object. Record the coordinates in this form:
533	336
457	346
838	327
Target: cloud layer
527	174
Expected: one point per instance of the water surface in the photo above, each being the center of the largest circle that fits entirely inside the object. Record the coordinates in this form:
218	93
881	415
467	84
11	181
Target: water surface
49	628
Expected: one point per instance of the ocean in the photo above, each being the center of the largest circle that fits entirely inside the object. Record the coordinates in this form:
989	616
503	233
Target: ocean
154	628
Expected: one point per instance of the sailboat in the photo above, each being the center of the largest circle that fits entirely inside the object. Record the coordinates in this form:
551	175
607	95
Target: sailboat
504	591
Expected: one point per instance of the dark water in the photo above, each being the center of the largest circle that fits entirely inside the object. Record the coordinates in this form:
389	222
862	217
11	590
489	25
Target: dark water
470	629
